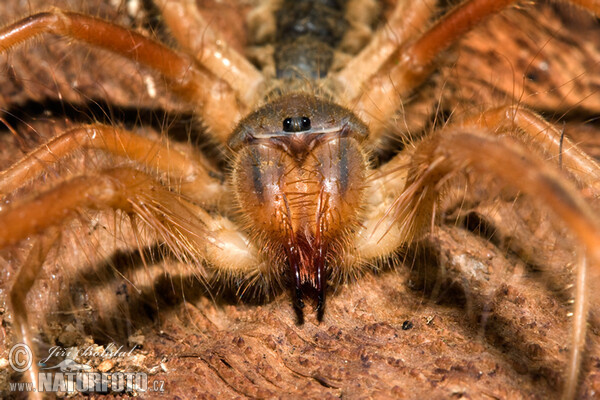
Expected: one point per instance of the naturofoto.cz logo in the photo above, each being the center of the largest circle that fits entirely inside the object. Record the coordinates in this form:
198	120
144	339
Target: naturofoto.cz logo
68	376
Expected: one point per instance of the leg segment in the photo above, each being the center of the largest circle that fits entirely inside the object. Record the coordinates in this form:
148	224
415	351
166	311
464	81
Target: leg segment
410	64
18	296
406	20
442	156
445	154
193	175
185	228
529	127
193	32
191	234
216	100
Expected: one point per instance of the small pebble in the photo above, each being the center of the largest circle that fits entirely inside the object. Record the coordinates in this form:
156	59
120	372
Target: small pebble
106	365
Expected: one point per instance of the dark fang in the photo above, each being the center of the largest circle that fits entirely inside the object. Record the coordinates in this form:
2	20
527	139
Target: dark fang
320	304
299	302
294	260
320	261
296	124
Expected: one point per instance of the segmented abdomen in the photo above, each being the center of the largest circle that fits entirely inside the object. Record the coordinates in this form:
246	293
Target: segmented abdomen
307	33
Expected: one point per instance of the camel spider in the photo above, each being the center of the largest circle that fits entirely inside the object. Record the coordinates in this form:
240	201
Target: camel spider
315	191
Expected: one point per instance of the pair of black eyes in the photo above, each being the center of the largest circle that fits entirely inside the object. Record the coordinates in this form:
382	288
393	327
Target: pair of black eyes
296	124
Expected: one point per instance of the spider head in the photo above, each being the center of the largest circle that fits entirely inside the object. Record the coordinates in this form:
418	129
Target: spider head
299	176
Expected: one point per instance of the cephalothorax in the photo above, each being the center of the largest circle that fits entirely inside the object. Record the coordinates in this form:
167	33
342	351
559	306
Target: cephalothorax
300	185
306	201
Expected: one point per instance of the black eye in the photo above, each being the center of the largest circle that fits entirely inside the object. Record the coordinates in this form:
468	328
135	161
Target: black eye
305	123
288	125
296	124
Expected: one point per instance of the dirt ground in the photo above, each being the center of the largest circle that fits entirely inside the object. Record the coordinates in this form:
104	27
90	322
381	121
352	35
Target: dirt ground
477	309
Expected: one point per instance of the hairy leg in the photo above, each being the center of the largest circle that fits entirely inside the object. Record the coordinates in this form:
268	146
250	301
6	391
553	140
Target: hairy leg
411	62
451	151
193	32
192	176
405	22
215	99
23	282
415	180
192	235
529	127
187	229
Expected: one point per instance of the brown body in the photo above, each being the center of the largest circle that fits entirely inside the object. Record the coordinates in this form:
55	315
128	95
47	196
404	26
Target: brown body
301	193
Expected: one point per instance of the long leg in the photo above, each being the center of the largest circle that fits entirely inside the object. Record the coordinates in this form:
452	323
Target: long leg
191	233
127	189
192	175
23	282
196	36
408	17
216	101
411	63
531	128
451	151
